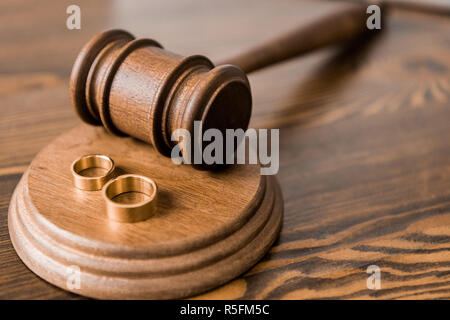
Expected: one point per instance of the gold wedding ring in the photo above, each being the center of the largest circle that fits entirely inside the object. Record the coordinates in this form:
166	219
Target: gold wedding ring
92	161
134	212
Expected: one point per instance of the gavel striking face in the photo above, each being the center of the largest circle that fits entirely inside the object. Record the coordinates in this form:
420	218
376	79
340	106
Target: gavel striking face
135	87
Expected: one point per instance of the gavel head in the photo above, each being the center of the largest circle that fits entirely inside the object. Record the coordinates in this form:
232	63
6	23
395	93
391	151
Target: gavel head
134	87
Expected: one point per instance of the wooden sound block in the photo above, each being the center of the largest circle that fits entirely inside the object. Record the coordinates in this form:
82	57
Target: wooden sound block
209	228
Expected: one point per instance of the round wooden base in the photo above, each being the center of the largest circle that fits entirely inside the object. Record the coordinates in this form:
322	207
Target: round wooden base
209	228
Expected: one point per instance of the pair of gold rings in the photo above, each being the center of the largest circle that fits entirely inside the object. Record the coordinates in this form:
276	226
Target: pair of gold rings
114	187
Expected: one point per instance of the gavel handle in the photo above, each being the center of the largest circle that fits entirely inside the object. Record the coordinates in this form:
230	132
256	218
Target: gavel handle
343	25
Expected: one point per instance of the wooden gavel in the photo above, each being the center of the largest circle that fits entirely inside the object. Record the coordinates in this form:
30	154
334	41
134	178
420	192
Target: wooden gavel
135	87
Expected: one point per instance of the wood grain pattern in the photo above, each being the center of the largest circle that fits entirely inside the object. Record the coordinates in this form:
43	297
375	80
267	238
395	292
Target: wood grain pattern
364	139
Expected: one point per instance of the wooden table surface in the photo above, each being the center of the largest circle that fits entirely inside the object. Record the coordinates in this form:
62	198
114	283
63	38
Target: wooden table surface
364	137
